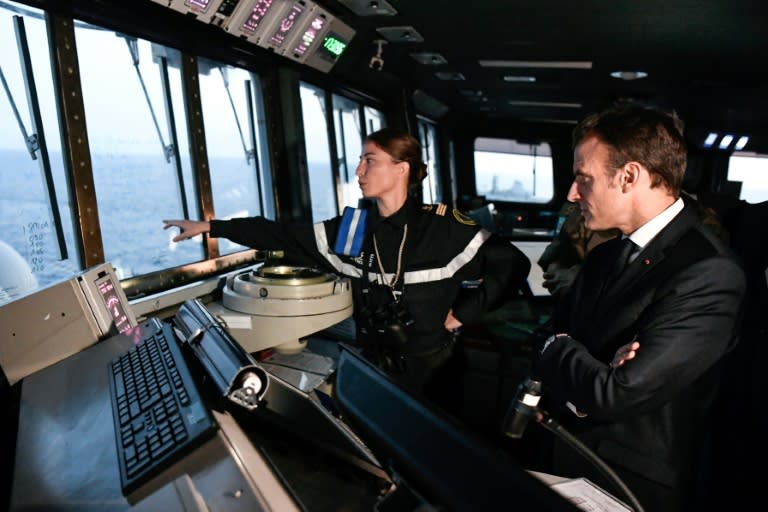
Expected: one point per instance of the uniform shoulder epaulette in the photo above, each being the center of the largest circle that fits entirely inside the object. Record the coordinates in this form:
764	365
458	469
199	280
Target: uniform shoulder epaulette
437	209
463	218
441	209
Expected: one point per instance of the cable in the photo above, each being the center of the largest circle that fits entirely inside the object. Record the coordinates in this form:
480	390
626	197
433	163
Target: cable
553	426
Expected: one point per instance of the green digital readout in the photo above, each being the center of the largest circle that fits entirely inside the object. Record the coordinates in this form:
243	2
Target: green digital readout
334	45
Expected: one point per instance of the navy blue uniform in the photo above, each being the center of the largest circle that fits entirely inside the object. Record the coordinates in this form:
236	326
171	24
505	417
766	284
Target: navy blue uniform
441	249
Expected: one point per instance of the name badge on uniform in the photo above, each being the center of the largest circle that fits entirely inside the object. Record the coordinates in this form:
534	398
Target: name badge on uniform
349	240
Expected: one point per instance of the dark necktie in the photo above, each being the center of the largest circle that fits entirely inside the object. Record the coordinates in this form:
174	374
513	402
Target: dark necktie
626	249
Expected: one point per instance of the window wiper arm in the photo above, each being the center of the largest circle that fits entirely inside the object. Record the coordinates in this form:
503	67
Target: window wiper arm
29	140
36	142
249	153
133	47
253	153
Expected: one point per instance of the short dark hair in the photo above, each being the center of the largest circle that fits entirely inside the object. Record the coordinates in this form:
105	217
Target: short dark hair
647	135
402	147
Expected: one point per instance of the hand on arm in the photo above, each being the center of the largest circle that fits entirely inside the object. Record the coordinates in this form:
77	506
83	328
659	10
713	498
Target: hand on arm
187	228
625	353
451	322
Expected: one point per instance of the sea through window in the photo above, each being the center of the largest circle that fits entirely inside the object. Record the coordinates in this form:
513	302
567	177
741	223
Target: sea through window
142	168
236	144
135	163
37	240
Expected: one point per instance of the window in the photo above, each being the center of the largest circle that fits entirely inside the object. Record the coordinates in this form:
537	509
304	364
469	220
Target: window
348	115
508	170
134	170
37	240
349	147
374	120
141	165
321	186
234	119
751	170
431	184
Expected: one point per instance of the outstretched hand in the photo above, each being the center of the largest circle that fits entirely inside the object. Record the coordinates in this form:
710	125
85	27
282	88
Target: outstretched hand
187	228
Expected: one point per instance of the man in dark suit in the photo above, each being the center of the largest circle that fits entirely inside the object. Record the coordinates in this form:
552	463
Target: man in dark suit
635	370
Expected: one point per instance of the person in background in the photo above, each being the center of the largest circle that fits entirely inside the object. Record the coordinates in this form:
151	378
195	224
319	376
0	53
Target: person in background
561	259
409	263
633	369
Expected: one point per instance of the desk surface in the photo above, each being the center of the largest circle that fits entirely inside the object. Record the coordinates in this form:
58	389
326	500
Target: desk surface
66	455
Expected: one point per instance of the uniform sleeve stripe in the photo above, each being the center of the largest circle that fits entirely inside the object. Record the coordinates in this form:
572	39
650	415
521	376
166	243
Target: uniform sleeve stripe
448	271
322	246
414	277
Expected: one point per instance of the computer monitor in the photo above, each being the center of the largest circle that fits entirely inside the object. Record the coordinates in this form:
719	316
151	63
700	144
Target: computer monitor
440	461
44	327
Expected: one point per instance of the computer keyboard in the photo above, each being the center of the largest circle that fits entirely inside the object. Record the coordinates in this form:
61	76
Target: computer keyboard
157	411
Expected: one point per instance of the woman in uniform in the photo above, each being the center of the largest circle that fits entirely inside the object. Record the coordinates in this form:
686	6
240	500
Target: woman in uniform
418	272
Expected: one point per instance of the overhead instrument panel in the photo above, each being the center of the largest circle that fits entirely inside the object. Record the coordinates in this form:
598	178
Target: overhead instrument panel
202	10
308	35
300	30
249	21
286	22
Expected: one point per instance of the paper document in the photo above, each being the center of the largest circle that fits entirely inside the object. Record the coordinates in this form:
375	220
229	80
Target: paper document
588	496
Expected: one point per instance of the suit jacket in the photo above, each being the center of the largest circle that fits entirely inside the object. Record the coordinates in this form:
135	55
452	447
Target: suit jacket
681	299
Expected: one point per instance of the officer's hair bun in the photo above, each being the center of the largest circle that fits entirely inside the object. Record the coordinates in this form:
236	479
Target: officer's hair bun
417	174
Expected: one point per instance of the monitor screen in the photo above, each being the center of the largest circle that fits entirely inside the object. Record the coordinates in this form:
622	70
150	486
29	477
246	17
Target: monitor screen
443	461
258	13
109	295
309	35
287	25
